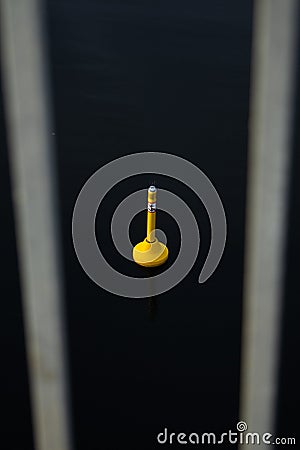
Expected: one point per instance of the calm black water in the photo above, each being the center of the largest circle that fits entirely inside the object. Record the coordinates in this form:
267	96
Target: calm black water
145	76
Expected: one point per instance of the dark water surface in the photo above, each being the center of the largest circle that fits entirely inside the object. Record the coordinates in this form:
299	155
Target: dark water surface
160	76
127	77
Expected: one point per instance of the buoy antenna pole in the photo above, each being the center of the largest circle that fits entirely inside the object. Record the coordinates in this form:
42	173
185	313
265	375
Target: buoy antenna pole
151	215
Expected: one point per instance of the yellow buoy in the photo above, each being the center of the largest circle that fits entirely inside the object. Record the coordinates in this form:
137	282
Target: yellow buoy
150	252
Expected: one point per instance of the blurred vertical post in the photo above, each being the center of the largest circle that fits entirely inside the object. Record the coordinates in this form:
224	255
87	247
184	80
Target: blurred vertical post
271	120
33	179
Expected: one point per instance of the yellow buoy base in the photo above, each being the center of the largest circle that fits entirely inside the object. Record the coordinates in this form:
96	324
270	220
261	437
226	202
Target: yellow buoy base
150	254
